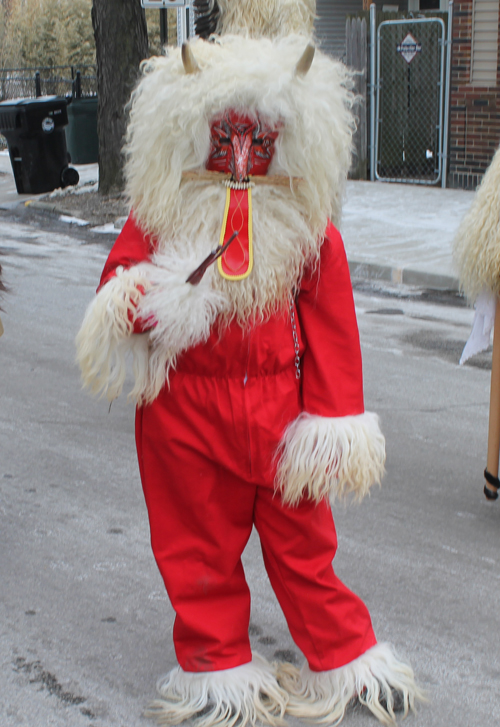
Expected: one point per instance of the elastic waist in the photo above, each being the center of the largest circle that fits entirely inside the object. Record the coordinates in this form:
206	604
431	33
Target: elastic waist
233	375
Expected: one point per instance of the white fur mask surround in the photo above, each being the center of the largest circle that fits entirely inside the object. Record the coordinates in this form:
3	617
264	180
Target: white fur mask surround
169	133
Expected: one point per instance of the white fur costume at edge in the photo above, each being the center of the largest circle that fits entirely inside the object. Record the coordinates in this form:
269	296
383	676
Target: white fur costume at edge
477	256
476	246
324	449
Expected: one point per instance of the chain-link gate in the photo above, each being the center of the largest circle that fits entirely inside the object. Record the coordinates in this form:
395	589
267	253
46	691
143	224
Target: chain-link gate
410	96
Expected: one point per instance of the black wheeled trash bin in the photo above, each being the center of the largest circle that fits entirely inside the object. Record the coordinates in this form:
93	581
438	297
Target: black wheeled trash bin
34	129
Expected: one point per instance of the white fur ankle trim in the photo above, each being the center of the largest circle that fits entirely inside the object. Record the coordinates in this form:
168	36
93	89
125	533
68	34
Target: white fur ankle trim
323	697
244	695
330	457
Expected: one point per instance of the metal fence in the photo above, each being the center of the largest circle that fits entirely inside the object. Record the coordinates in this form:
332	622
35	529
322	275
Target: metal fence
53	81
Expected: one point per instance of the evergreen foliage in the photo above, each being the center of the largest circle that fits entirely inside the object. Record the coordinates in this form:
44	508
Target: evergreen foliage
47	33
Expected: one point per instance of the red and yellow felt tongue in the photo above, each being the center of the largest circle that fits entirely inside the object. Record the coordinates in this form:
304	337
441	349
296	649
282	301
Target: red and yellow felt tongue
237	262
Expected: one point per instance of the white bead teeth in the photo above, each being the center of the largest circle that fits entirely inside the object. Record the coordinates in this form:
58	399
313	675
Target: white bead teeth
237	185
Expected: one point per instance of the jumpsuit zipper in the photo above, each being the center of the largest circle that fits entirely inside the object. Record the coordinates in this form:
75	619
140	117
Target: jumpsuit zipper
245	381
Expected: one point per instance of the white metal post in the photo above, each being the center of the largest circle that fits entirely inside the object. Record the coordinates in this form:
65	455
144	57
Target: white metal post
373	41
446	122
182	26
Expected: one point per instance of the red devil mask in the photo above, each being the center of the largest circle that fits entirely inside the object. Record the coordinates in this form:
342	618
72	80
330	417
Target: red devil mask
241	145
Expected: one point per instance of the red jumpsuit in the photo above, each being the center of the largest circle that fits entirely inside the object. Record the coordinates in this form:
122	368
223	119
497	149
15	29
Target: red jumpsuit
206	449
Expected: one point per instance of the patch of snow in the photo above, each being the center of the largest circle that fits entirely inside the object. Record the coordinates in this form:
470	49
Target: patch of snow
89	173
73	220
68	191
106	229
88	187
89	181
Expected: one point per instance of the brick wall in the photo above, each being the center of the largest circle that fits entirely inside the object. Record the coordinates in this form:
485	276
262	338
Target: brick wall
474	110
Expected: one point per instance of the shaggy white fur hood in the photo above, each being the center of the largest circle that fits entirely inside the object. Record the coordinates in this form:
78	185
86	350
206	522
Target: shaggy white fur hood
171	113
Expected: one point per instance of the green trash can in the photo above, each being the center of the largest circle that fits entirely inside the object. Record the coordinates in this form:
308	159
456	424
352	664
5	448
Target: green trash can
81	132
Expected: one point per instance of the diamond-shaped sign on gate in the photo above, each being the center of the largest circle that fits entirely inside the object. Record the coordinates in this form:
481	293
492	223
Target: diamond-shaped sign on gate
409	48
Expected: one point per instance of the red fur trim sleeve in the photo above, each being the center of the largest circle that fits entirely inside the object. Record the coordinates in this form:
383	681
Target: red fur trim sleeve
332	383
132	246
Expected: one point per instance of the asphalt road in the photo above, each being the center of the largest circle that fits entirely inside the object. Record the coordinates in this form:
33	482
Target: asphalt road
85	625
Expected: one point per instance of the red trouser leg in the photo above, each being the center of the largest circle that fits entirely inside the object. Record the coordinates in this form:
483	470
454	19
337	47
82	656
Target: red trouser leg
328	622
200	518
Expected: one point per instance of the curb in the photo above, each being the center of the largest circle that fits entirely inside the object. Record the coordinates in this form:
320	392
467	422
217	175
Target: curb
48	207
35	204
60	211
402	276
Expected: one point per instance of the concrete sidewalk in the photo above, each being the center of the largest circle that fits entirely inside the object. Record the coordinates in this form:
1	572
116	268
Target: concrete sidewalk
399	233
403	233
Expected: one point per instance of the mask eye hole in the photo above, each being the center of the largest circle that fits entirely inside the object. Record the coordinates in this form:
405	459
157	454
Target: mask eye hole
220	137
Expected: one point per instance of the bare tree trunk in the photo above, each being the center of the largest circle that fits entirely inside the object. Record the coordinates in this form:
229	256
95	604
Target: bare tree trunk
121	40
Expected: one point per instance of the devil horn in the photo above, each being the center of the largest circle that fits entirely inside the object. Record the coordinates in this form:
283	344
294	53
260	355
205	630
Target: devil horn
188	59
305	61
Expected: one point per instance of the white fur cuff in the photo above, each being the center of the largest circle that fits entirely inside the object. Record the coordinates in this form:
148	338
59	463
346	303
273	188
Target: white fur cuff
181	316
330	457
241	696
183	313
105	336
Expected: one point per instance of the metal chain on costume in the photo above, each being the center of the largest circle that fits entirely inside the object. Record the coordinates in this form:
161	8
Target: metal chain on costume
296	345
